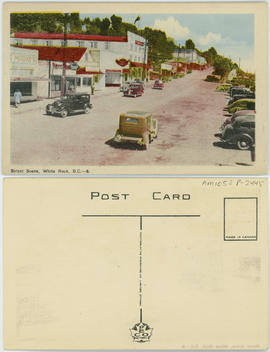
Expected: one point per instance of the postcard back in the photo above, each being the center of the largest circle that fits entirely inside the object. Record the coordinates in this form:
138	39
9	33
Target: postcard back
135	263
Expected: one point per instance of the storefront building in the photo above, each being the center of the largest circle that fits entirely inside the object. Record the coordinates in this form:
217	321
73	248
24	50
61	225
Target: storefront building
100	62
24	73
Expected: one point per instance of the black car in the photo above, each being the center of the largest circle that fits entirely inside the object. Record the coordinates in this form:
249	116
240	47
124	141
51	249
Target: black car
238	90
240	132
70	103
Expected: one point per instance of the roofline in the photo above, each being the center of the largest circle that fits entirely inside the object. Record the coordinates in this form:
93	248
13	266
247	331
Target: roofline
69	36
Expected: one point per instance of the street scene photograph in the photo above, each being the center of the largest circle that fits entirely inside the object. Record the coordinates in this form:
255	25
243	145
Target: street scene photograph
109	89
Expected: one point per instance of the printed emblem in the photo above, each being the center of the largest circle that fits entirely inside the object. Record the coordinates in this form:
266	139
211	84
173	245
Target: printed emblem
141	332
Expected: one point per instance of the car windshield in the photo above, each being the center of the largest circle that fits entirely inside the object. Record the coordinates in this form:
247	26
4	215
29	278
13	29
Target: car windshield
65	97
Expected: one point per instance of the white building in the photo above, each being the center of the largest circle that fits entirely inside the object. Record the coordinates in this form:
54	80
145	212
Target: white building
106	60
25	74
190	55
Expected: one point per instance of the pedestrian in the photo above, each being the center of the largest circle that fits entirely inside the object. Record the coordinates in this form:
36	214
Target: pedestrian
17	97
92	88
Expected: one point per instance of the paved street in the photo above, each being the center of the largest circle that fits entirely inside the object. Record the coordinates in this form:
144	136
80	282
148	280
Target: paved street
189	112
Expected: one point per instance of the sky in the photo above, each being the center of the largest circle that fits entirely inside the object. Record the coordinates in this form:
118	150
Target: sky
231	34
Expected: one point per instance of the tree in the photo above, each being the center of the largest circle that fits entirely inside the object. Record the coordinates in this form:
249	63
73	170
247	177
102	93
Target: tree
222	66
104	26
116	23
209	55
75	23
190	44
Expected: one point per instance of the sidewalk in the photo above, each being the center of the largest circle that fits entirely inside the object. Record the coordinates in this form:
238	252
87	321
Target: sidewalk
37	104
31	106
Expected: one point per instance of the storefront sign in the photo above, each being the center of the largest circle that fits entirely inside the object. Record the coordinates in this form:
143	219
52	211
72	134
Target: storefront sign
24	58
122	62
139	43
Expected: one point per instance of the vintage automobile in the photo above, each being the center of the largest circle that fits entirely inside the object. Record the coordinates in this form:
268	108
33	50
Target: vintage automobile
134	90
136	127
158	84
240	132
245	95
140	81
236	114
241	104
70	103
125	86
237	90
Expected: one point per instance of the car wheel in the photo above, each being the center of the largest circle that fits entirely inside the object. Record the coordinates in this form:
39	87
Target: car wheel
64	113
243	143
86	110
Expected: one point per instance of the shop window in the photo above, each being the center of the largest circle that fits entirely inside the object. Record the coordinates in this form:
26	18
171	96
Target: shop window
94	45
56	83
70	83
87	81
81	43
34	41
24	87
19	42
49	43
78	82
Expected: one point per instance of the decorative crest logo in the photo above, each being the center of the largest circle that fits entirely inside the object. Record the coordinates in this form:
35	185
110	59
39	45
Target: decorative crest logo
141	332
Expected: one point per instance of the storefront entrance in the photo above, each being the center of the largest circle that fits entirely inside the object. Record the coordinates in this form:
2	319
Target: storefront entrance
113	78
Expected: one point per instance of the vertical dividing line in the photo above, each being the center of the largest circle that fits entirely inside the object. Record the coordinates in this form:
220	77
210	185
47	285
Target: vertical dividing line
140	270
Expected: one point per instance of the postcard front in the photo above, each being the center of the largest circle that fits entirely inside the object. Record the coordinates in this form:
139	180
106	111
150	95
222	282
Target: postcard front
135	264
93	88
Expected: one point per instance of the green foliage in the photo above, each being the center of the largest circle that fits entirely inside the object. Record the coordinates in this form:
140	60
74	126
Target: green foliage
209	55
161	47
36	22
189	71
104	26
212	78
74	22
190	44
116	22
222	65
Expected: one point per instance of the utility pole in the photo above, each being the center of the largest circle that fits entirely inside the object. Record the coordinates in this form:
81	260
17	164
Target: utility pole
63	86
178	52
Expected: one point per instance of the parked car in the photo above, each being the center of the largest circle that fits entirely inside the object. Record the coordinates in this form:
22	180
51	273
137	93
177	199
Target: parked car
70	103
240	132
125	86
237	90
245	95
238	113
158	84
241	104
134	90
136	127
140	81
